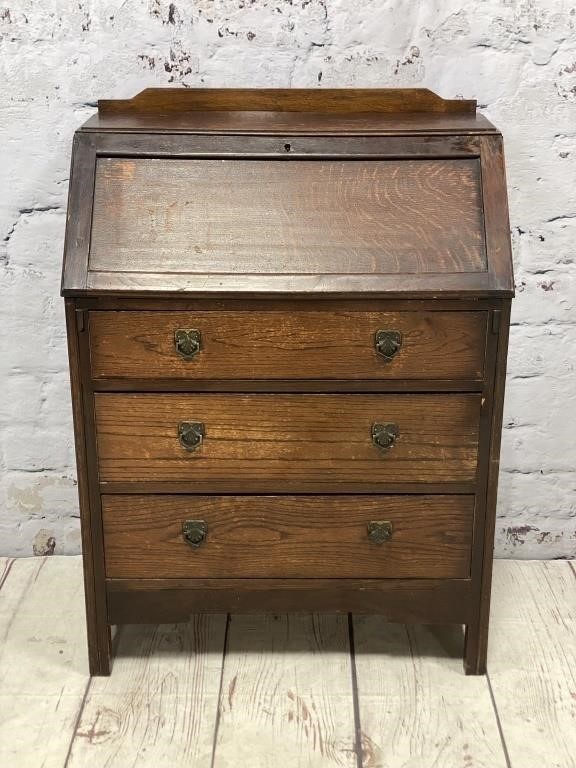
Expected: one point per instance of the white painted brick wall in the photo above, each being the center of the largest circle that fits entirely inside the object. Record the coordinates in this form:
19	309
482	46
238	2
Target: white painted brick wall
517	58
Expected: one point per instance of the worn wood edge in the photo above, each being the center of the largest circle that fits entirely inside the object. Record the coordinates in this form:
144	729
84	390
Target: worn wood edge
79	215
492	483
95	615
94	589
343	100
145	285
496	216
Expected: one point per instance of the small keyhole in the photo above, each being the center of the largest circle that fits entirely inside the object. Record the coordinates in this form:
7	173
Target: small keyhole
287	147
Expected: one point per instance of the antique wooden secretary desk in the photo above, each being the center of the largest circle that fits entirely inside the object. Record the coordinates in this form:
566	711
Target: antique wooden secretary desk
288	316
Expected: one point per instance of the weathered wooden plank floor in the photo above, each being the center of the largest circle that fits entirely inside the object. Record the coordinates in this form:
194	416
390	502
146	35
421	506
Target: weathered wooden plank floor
287	691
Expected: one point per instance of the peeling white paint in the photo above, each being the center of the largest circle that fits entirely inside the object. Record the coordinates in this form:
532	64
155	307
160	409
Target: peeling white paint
518	58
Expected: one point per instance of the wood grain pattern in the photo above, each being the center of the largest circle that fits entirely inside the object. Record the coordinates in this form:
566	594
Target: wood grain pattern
89	501
286	694
265	440
414	709
297	217
340	100
160	704
292	123
288	536
43	665
288	345
532	661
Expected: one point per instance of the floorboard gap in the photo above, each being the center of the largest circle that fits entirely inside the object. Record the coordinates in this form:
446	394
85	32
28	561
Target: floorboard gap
498	723
77	723
355	700
217	723
6	572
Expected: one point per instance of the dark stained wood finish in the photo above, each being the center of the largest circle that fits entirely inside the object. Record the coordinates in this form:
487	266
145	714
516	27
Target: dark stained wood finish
299	345
79	218
428	601
98	633
288	536
354	206
340	100
268	440
293	123
389	286
297	218
476	646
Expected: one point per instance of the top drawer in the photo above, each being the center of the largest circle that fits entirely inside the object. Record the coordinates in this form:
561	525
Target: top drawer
271	345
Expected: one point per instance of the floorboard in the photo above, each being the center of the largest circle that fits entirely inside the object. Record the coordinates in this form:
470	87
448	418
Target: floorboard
43	664
159	706
416	707
297	691
532	661
286	694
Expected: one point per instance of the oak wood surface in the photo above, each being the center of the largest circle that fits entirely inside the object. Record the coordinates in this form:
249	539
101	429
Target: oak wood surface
476	648
302	217
292	123
287	345
340	100
89	501
288	536
266	440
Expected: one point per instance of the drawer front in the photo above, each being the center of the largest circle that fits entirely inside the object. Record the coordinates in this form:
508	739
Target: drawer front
288	536
294	345
275	442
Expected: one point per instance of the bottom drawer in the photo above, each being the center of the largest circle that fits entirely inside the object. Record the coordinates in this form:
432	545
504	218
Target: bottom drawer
287	536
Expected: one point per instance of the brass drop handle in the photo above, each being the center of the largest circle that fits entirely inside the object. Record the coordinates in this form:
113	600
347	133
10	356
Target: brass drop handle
187	342
379	531
384	435
190	434
194	532
388	344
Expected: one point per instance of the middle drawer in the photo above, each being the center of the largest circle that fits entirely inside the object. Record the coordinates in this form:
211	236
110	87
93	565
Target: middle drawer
255	442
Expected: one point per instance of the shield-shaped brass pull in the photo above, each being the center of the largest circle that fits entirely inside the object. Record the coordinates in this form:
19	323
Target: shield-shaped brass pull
190	434
194	532
388	344
187	342
384	435
379	531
